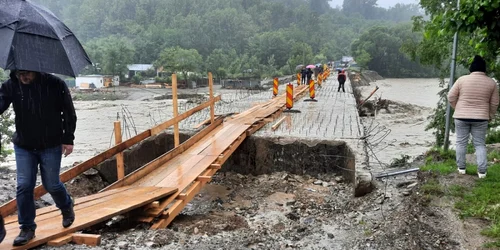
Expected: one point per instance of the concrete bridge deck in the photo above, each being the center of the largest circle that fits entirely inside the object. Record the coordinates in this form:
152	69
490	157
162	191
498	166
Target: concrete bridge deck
179	174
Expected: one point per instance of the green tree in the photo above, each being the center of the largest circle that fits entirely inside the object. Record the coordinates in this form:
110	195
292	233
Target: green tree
383	47
6	126
364	7
218	62
110	55
179	60
479	33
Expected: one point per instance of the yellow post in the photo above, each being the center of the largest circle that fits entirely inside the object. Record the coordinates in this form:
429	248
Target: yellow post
176	109
298	78
120	166
289	96
212	103
275	86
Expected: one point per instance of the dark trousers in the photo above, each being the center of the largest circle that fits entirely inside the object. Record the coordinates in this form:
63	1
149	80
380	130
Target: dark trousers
303	79
27	163
341	85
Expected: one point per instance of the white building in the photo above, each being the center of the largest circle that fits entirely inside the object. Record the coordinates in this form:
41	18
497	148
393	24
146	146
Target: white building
96	81
134	69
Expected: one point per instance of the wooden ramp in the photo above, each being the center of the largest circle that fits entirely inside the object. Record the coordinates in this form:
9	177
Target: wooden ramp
195	166
158	191
89	211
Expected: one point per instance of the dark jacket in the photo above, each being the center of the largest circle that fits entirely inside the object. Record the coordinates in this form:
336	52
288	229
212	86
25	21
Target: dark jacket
342	77
45	116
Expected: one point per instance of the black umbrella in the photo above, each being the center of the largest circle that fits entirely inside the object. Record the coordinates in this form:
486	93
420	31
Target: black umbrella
33	38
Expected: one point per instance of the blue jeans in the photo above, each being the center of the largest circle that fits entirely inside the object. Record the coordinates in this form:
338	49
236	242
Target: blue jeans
478	131
27	162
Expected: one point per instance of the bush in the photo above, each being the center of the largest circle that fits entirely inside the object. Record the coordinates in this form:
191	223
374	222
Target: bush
6	132
136	79
493	136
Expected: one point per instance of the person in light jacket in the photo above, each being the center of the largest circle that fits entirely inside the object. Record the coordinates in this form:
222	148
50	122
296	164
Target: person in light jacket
475	100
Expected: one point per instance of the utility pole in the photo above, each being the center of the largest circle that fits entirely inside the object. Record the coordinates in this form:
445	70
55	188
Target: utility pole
446	144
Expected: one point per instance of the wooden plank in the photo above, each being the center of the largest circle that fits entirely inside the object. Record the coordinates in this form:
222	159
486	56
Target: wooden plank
148	168
178	171
94	203
160	173
78	202
154	204
126	201
92	240
175	209
212	104
221	145
278	123
205	122
120	166
60	241
158	129
204	178
144	219
187	173
222	132
231	150
11	207
182	183
215	166
176	109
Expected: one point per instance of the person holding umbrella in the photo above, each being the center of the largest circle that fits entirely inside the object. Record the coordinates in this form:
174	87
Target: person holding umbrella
45	125
33	41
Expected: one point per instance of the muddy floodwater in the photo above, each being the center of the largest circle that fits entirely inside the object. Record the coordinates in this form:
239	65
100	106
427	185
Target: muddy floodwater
398	132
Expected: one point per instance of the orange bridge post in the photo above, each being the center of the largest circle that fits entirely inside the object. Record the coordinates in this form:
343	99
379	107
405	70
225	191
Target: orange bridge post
312	92
275	87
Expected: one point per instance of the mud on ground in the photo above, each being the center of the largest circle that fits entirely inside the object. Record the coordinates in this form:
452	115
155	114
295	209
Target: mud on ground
285	211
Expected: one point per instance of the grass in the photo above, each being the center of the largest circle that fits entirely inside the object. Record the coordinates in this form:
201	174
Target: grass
493	155
493	137
481	200
432	187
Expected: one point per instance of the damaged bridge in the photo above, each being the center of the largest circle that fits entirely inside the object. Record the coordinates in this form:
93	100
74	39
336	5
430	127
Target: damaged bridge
159	190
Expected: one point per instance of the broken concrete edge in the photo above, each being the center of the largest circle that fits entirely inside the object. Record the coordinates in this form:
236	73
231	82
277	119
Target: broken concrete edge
263	155
363	179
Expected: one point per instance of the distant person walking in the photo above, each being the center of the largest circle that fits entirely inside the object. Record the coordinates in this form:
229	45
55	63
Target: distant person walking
309	74
342	78
303	72
475	100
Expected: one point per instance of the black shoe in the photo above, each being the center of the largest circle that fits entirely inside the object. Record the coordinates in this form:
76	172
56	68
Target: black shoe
2	229
24	237
68	215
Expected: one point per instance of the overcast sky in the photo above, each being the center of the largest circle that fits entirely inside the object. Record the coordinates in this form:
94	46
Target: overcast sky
381	3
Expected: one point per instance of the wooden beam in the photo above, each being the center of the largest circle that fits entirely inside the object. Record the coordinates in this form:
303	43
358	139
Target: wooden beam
158	129
204	178
144	219
71	173
148	168
176	109
212	104
155	204
216	166
278	123
205	122
61	241
87	239
120	166
177	207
